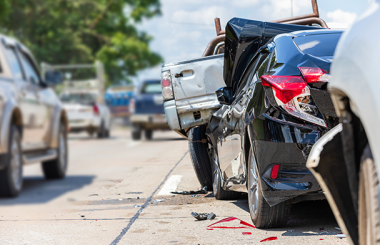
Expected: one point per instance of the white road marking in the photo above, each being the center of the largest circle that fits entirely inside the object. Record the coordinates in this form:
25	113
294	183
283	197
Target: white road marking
170	185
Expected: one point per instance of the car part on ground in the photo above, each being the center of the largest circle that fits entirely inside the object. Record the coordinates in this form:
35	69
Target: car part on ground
199	155
30	112
147	110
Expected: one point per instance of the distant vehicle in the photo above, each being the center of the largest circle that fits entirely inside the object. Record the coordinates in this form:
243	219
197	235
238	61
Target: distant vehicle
346	161
87	113
147	110
33	121
118	100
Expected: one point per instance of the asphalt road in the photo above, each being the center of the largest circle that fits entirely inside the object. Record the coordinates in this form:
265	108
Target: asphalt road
111	196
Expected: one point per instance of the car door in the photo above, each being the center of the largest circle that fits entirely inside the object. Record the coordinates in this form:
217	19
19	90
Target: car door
40	118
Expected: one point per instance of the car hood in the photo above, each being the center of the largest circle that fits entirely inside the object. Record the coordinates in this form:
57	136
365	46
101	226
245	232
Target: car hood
244	38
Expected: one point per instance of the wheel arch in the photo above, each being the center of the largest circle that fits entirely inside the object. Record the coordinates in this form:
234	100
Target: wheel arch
11	115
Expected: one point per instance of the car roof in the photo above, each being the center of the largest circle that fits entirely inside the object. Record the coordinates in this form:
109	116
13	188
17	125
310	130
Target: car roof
312	32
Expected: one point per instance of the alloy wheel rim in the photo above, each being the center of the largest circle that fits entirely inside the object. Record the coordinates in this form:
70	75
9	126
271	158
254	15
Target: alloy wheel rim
16	164
253	185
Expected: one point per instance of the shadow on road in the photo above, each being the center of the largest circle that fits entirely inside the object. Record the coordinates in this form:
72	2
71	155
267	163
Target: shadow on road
37	190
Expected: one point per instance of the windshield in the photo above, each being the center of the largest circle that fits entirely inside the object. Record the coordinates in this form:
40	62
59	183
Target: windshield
78	98
318	45
152	88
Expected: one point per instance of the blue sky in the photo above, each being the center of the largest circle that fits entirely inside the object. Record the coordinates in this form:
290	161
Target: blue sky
186	26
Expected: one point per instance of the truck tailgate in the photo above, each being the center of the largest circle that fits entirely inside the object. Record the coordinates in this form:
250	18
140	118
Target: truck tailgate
194	86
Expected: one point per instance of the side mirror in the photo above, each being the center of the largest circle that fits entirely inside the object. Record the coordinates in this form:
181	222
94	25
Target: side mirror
53	78
224	95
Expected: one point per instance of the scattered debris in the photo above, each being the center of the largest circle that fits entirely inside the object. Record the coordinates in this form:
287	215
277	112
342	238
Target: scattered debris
203	216
202	191
93	195
245	224
323	232
337	228
272	238
137	206
340	235
118	194
137	197
321	239
120	199
246	233
82	216
158	200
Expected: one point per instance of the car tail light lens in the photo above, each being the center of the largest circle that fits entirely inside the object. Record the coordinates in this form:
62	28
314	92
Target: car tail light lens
95	108
166	84
314	75
293	95
132	106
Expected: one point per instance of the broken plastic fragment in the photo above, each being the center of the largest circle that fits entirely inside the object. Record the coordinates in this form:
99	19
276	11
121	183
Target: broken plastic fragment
337	228
272	238
158	200
245	224
137	206
341	235
203	216
202	191
246	233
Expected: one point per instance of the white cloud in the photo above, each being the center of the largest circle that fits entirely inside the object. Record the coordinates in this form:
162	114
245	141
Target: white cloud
274	9
340	18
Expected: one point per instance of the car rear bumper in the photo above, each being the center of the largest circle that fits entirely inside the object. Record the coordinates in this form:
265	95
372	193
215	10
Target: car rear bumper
287	145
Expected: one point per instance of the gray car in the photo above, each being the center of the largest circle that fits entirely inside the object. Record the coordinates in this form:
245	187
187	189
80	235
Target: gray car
33	125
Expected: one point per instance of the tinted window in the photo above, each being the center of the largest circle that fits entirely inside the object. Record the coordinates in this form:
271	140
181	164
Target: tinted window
318	45
31	73
14	63
152	88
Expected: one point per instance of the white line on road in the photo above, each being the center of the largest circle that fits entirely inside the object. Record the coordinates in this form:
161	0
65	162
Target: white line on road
170	185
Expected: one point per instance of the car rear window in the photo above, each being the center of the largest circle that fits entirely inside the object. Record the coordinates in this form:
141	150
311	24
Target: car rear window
152	88
318	45
78	98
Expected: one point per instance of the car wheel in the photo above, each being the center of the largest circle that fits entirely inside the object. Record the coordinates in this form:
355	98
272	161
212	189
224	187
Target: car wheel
369	222
218	191
136	132
56	168
148	134
263	215
199	156
11	175
102	131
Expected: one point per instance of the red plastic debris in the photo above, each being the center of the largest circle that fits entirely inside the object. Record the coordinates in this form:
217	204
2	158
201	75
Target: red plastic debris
272	238
246	233
321	239
245	224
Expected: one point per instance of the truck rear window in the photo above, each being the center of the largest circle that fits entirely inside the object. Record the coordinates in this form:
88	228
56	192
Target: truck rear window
152	88
320	45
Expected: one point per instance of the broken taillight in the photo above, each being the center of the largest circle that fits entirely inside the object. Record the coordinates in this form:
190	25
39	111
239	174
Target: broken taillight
314	75
293	95
166	84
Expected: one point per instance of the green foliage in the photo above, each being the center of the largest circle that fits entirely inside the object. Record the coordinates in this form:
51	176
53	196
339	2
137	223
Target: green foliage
80	31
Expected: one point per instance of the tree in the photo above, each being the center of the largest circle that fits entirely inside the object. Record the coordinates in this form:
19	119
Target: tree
81	31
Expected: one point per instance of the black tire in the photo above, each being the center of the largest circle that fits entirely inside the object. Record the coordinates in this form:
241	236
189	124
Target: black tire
198	146
148	134
56	168
11	175
136	132
218	191
263	215
369	223
102	131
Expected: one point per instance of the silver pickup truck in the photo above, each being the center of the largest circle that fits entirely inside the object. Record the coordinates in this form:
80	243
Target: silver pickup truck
32	122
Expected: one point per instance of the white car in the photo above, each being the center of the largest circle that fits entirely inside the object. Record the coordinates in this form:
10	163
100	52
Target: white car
85	112
346	160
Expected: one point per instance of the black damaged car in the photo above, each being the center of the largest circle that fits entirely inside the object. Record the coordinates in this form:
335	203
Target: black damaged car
275	107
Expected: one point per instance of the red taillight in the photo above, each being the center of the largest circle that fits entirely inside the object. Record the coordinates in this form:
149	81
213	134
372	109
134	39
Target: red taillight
274	173
96	109
286	87
311	74
165	83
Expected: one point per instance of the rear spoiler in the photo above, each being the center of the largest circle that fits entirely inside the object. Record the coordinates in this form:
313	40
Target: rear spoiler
307	19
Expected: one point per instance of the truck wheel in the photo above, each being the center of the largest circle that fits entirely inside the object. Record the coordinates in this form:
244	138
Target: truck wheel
263	215
148	134
369	223
56	168
11	175
136	132
219	192
199	156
